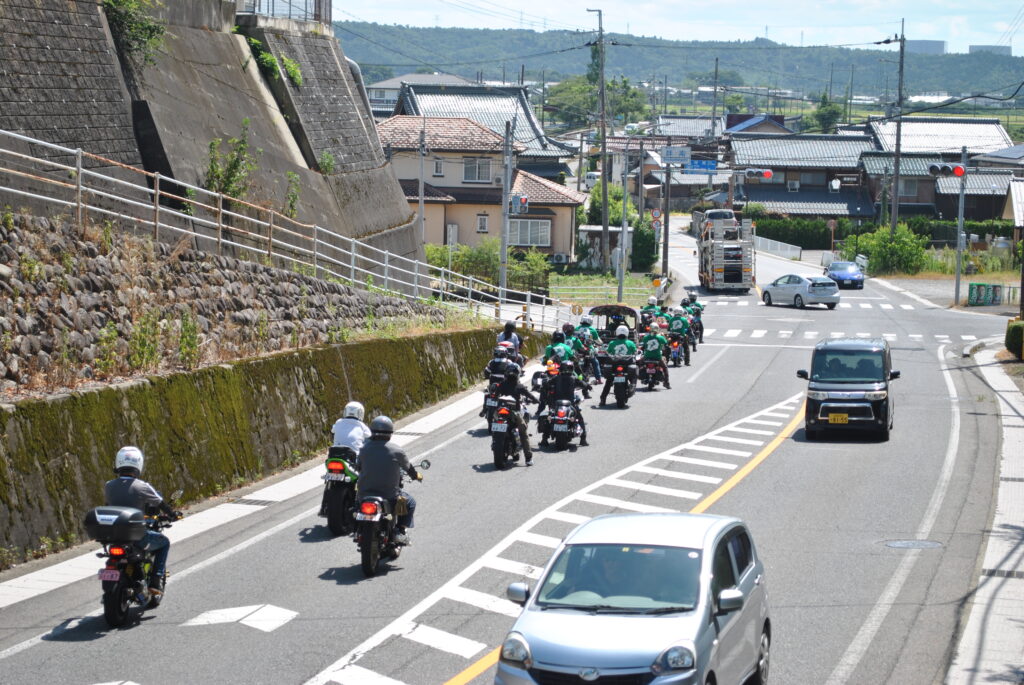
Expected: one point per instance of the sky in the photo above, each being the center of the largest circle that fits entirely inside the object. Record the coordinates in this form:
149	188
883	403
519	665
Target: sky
822	22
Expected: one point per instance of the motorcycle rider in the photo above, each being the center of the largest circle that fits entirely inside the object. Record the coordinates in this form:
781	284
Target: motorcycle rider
495	370
652	306
129	490
509	334
381	475
558	350
511	387
697	310
590	338
679	325
511	354
621	346
349	431
563	387
653	345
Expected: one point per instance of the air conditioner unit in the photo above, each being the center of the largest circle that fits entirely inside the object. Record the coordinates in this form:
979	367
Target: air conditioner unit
792	186
559	258
497	180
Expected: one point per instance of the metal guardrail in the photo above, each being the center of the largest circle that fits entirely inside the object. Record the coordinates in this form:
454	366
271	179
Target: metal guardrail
300	10
775	247
163	206
598	294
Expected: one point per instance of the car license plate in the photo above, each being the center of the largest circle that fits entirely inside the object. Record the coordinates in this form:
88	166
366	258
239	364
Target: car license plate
336	477
490	402
561	427
111	574
848	282
838	418
620	379
499	427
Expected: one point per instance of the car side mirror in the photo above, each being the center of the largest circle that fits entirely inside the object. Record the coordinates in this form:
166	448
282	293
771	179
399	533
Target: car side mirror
893	375
802	373
730	600
424	465
518	593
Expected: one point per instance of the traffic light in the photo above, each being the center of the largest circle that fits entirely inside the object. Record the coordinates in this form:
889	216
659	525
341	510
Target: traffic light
758	173
946	170
520	204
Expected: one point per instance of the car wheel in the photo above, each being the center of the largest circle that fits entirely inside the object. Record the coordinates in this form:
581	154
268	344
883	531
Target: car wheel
831	305
798	302
812	433
761	667
767	298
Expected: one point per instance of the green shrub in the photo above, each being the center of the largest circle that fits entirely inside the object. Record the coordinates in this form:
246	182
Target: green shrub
326	163
291	67
188	341
229	173
1014	339
106	355
264	58
138	36
144	343
645	249
902	252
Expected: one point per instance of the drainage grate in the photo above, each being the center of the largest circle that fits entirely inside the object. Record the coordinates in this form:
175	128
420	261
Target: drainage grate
913	544
1000	573
1012	480
254	502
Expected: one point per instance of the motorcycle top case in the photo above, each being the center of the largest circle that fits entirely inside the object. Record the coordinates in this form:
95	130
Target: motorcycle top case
115	524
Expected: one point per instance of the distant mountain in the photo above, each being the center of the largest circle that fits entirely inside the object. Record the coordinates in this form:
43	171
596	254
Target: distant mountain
760	62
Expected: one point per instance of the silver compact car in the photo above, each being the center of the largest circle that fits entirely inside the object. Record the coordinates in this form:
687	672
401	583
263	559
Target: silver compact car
800	290
646	599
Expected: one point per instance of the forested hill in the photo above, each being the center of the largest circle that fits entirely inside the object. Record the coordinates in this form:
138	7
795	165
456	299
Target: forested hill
384	50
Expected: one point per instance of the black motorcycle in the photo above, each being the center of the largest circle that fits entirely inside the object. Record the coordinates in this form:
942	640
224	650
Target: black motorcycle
623	372
697	329
340	489
562	422
506	445
127	575
376	519
651	373
678	349
491	401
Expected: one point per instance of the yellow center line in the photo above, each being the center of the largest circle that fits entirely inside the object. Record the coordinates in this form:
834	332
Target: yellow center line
491	658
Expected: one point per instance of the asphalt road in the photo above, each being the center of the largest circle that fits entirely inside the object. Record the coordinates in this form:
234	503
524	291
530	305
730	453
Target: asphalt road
847	605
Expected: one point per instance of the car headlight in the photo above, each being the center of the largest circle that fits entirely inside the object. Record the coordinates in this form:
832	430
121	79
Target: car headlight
876	395
514	650
817	395
675	658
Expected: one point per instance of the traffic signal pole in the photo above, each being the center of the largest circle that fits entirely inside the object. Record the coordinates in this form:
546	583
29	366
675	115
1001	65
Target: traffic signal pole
960	226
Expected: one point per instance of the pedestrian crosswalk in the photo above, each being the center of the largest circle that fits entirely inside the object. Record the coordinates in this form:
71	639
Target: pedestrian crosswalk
712	335
842	305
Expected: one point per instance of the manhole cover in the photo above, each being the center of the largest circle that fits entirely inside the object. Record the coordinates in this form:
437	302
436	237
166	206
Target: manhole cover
913	544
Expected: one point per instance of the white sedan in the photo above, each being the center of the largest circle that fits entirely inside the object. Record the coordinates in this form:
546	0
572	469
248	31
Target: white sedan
800	290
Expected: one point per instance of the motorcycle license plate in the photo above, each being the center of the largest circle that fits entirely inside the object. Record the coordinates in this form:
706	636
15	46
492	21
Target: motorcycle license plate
336	477
838	418
491	402
367	517
620	379
560	428
499	427
111	574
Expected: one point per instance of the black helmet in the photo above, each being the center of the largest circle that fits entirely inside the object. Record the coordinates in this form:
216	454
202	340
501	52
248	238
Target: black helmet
558	337
381	428
566	367
510	327
499	352
511	371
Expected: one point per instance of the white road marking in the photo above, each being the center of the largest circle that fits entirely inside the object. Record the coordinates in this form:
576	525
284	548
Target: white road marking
518	568
711	480
837	334
751	431
742	303
357	675
759	333
269	618
231	615
942	338
808	335
482	600
732	333
443	640
885	306
621	504
968	337
845	305
774	414
656	489
889	336
785	334
540	540
863	335
706	365
906	306
719	450
915	336
709	331
865	305
567	517
702	462
738	441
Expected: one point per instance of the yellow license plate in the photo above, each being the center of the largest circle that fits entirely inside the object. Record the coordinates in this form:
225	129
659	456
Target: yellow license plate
838	418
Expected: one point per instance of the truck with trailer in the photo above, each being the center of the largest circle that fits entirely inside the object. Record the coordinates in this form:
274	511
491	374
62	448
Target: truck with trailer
725	250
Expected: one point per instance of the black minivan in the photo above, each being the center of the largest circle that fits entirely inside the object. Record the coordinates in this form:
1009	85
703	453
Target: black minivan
849	387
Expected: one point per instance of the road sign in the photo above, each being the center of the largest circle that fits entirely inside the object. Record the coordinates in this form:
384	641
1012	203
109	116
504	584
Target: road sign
697	166
676	154
656	224
655	213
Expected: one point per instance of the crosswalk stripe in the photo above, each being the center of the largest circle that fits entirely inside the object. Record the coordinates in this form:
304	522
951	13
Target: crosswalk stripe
567	517
968	337
752	431
865	305
515	567
482	600
742	303
702	462
777	415
541	540
810	334
732	333
785	334
759	333
906	306
837	334
711	480
709	331
357	675
889	336
845	305
656	489
621	504
885	306
443	640
863	335
764	423
915	336
738	441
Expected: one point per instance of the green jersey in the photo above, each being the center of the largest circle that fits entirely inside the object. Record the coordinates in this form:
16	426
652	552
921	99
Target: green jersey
575	344
621	347
678	324
653	345
588	334
560	352
652	309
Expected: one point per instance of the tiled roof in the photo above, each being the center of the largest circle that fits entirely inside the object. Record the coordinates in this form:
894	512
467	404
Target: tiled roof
689	127
1017	198
979	181
1014	153
544	192
799	151
411	188
444	134
754	121
683	179
487	105
942	134
811	201
879	163
415	79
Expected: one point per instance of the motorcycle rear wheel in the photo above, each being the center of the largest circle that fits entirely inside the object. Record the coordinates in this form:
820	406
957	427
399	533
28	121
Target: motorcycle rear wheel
620	395
369	552
500	460
116	604
339	518
562	440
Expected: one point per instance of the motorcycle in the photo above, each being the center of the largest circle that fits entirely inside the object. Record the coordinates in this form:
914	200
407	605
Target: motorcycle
126	576
376	519
678	349
490	403
697	329
651	374
339	489
506	445
623	372
563	423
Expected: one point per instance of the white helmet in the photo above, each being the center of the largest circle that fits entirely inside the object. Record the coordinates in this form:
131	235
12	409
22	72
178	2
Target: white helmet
652	300
679	311
622	331
353	410
129	458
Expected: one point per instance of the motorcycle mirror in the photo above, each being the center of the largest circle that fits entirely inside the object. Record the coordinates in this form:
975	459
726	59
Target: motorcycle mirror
425	464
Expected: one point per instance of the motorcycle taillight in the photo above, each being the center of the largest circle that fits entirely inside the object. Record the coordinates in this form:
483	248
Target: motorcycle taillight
561	413
117	551
336	467
368	508
618	368
675	343
503	411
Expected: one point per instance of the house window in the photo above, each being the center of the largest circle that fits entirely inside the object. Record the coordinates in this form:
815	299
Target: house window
438	167
812	178
529	232
481	223
380	94
476	169
908	187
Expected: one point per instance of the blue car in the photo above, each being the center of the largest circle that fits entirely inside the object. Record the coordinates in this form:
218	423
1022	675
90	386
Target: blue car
846	274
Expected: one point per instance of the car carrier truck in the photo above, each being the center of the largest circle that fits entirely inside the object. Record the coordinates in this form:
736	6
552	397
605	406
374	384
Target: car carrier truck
725	250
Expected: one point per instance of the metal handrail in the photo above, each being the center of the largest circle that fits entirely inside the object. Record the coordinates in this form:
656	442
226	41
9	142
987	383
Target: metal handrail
162	203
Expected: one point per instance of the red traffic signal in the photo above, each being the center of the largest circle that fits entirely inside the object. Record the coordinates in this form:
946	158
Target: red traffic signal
957	170
758	173
520	204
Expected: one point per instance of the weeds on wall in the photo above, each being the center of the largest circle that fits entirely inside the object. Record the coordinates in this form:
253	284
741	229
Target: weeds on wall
228	173
264	58
106	355
326	163
291	67
291	198
188	341
144	343
136	34
7	218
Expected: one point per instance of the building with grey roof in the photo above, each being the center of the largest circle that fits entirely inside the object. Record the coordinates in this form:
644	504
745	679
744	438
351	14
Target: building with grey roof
1008	158
693	127
945	135
384	94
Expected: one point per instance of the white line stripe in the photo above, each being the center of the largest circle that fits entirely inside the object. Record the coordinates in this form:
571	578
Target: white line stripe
865	305
656	489
566	516
785	334
679	474
863	335
443	640
837	334
732	333
738	441
706	365
357	675
268	618
885	306
775	414
540	540
514	567
742	303
906	306
751	431
968	337
621	504
719	450
889	336
808	335
709	331
915	336
845	305
482	600
759	333
700	462
760	422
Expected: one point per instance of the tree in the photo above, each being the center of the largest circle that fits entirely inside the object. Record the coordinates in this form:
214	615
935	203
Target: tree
827	115
594	68
625	101
375	74
726	77
734	103
572	101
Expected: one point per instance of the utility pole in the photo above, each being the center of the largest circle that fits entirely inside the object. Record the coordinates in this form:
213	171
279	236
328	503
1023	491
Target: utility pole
542	96
664	96
423	154
506	189
579	169
849	98
665	214
960	226
899	134
714	102
831	69
605	234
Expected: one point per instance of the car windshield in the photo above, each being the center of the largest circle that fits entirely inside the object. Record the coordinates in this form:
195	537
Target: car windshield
843	266
847	366
623	578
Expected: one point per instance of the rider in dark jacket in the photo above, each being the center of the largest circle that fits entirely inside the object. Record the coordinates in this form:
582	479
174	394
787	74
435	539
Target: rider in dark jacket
495	370
511	387
381	470
563	387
